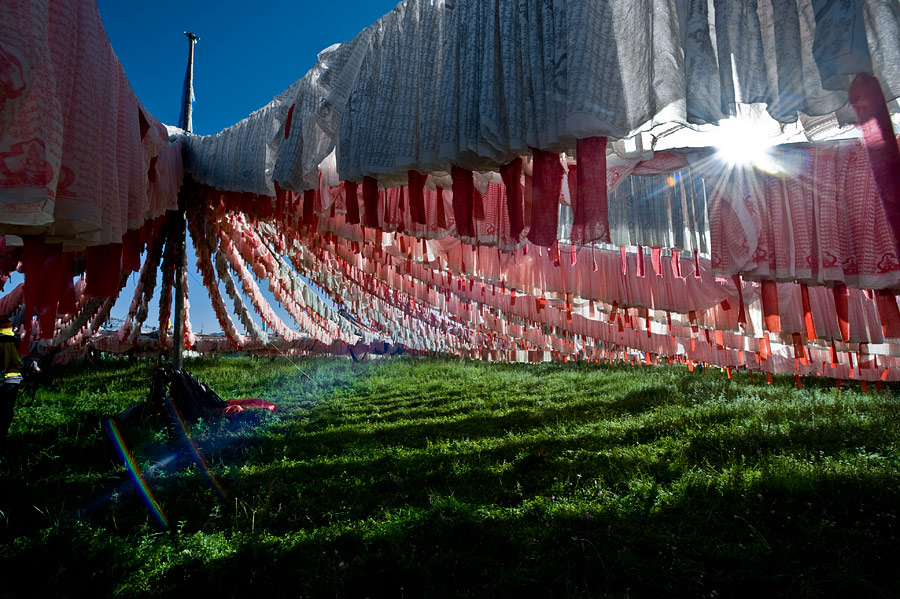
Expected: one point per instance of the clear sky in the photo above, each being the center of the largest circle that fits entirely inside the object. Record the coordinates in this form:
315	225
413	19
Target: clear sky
247	54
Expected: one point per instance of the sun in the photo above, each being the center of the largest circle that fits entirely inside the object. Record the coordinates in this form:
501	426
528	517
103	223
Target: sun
744	143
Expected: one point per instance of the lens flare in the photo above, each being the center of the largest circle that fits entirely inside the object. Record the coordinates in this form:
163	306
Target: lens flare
742	142
135	473
192	447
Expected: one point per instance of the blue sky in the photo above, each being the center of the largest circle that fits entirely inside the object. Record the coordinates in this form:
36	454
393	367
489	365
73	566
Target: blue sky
248	51
247	54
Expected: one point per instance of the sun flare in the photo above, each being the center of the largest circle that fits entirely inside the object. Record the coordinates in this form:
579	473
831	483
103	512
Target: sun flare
742	142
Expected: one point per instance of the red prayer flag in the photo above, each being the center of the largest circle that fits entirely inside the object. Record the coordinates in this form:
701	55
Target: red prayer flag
511	174
888	313
370	201
352	202
770	306
463	190
869	103
546	186
589	202
102	269
417	196
841	306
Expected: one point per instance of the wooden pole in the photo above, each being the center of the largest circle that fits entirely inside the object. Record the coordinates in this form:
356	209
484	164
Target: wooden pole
187	125
180	229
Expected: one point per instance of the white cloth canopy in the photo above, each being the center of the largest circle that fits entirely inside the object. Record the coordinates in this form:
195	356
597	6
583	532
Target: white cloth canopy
80	159
475	83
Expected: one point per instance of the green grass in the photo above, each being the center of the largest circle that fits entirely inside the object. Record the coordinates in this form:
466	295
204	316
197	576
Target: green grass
445	478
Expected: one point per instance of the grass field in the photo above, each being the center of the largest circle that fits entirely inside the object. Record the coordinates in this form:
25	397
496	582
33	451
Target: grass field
444	478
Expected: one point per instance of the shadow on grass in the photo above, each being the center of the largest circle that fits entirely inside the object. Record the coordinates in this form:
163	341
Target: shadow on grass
618	494
603	403
779	536
417	429
68	472
324	475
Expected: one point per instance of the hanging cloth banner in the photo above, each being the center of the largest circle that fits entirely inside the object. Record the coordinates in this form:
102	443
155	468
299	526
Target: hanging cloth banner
352	202
546	184
589	202
370	201
463	192
511	174
881	145
417	197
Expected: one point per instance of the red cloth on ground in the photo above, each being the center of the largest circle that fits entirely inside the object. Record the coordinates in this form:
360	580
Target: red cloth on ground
236	406
546	184
463	190
589	203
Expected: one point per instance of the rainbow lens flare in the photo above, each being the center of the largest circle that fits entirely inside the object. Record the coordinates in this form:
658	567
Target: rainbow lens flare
135	473
195	451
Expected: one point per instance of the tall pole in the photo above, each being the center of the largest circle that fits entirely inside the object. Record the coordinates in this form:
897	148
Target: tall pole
188	99
180	228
